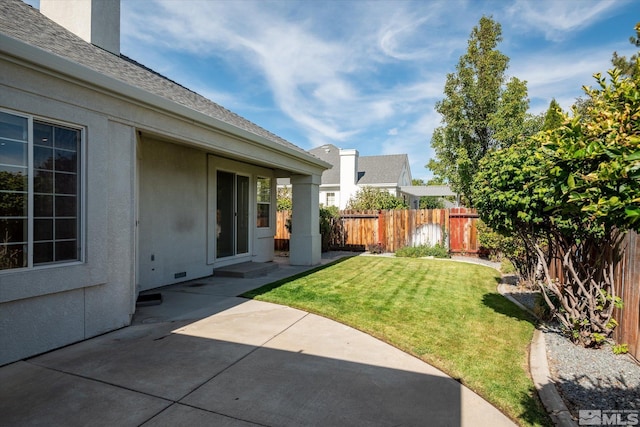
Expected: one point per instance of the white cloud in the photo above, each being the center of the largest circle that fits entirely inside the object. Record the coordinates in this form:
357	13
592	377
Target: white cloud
413	138
405	36
561	75
558	19
360	74
328	87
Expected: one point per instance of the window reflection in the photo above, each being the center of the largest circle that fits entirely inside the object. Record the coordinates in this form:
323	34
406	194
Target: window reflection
55	223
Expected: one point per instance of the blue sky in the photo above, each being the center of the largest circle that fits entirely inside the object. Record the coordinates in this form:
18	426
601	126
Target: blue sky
366	74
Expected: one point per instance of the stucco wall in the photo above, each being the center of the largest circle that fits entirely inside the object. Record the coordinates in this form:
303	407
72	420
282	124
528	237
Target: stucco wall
176	230
173	213
50	306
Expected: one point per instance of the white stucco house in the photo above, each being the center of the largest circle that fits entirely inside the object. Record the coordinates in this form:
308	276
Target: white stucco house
350	172
115	180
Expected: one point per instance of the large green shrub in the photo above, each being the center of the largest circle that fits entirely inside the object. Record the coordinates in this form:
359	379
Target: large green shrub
284	199
570	194
330	227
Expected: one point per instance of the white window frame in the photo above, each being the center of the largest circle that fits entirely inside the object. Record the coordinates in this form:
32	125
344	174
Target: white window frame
262	203
81	193
331	198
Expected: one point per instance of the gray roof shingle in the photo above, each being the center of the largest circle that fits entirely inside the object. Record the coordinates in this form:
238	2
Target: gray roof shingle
25	23
385	169
330	154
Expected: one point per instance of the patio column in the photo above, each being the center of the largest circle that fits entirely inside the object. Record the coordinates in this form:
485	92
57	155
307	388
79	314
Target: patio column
305	243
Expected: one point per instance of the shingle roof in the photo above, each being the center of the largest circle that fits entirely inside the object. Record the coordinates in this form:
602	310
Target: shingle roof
22	22
330	154
372	170
381	169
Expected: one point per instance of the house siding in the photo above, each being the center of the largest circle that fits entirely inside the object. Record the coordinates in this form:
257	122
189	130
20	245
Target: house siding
47	307
51	306
173	208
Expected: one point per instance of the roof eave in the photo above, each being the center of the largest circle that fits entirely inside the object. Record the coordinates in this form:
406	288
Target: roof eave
44	59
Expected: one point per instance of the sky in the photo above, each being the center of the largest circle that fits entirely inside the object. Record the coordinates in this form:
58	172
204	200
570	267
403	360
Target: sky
366	74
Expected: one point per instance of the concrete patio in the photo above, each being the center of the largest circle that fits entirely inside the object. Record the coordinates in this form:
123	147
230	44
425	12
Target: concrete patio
208	357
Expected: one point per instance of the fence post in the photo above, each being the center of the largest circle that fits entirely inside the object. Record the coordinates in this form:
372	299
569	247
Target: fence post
382	230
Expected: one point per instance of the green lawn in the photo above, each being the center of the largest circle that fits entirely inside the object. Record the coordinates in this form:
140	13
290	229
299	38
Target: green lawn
448	314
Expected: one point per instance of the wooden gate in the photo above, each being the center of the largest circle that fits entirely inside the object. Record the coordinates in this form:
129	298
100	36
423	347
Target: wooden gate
360	229
463	237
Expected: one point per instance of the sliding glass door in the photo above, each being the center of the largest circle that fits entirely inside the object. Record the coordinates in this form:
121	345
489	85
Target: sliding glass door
232	214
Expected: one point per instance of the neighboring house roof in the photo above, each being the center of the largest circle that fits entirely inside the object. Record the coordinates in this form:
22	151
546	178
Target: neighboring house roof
385	169
372	170
24	23
330	154
428	190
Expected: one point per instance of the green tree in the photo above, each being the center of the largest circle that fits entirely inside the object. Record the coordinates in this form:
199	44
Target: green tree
431	202
480	111
511	202
582	106
368	198
571	193
597	162
533	123
284	199
508	121
553	118
627	66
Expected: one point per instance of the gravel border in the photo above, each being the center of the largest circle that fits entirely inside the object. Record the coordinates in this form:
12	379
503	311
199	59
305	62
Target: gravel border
587	379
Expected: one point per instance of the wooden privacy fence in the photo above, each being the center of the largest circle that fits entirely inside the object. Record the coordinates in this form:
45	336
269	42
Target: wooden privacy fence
395	229
281	239
627	287
456	228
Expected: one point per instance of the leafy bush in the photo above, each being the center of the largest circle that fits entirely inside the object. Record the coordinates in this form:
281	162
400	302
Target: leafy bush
368	198
284	199
571	193
436	251
508	245
330	227
431	202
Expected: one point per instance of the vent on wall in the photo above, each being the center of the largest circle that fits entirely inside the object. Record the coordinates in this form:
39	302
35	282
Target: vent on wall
179	275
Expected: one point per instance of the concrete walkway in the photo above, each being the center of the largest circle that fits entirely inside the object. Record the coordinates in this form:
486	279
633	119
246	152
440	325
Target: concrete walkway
206	357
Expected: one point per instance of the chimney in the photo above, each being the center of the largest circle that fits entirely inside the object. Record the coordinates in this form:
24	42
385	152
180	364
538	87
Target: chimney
348	175
96	21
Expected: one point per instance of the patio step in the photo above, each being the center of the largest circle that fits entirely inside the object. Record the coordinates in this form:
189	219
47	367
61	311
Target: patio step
246	270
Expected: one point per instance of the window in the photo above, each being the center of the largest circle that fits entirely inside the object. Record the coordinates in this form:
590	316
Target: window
39	192
331	199
264	201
